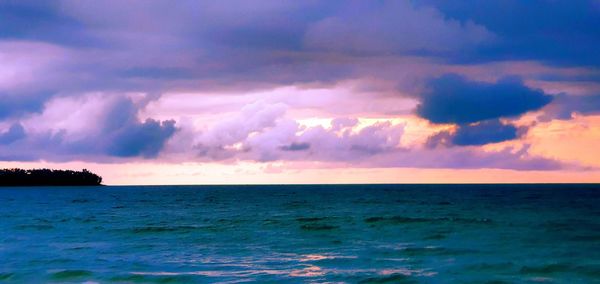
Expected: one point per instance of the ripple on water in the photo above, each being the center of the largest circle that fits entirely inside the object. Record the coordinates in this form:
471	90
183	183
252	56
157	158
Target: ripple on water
395	220
318	227
37	227
546	269
70	274
433	236
586	238
412	220
490	267
393	278
163	229
310	219
6	276
146	278
561	267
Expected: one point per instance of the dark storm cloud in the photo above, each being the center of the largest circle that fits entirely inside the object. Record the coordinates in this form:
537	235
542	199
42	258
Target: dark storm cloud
157	45
476	107
148	45
484	133
275	42
21	19
454	99
117	133
481	133
123	135
17	104
14	133
295	41
141	139
556	32
42	21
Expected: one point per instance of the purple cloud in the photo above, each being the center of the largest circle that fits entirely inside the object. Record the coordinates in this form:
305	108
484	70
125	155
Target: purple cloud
114	60
116	133
480	133
392	27
379	145
564	106
295	147
14	133
454	99
476	107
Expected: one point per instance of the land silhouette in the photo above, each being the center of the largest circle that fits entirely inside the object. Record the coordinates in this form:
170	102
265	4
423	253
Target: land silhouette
41	177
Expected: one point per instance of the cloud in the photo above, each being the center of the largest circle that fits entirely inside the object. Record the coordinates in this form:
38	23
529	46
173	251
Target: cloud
120	133
262	132
156	46
377	145
157	73
71	71
141	139
392	27
14	133
253	118
555	32
343	122
564	106
475	108
348	144
473	158
35	20
295	147
16	105
104	127
480	133
454	99
484	133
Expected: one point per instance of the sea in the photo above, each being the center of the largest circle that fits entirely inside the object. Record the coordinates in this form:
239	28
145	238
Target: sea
502	233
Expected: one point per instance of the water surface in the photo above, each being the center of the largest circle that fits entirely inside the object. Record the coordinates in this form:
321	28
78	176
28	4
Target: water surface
314	233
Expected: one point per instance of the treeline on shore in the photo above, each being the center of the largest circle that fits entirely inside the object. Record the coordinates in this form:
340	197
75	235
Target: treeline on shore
40	177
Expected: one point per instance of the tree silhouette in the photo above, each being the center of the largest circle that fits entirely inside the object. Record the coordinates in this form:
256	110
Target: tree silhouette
21	177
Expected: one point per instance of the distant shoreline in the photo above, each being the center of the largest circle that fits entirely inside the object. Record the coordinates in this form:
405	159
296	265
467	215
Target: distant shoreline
48	177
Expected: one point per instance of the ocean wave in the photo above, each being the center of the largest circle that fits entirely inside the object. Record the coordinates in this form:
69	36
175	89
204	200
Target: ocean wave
70	274
6	276
318	227
409	220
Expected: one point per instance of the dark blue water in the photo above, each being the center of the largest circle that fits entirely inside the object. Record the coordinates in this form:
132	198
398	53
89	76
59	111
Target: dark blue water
347	234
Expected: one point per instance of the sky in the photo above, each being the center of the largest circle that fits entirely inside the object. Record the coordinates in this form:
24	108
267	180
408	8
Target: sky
222	92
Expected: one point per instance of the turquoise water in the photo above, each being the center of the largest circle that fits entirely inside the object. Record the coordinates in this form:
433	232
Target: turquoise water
340	234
